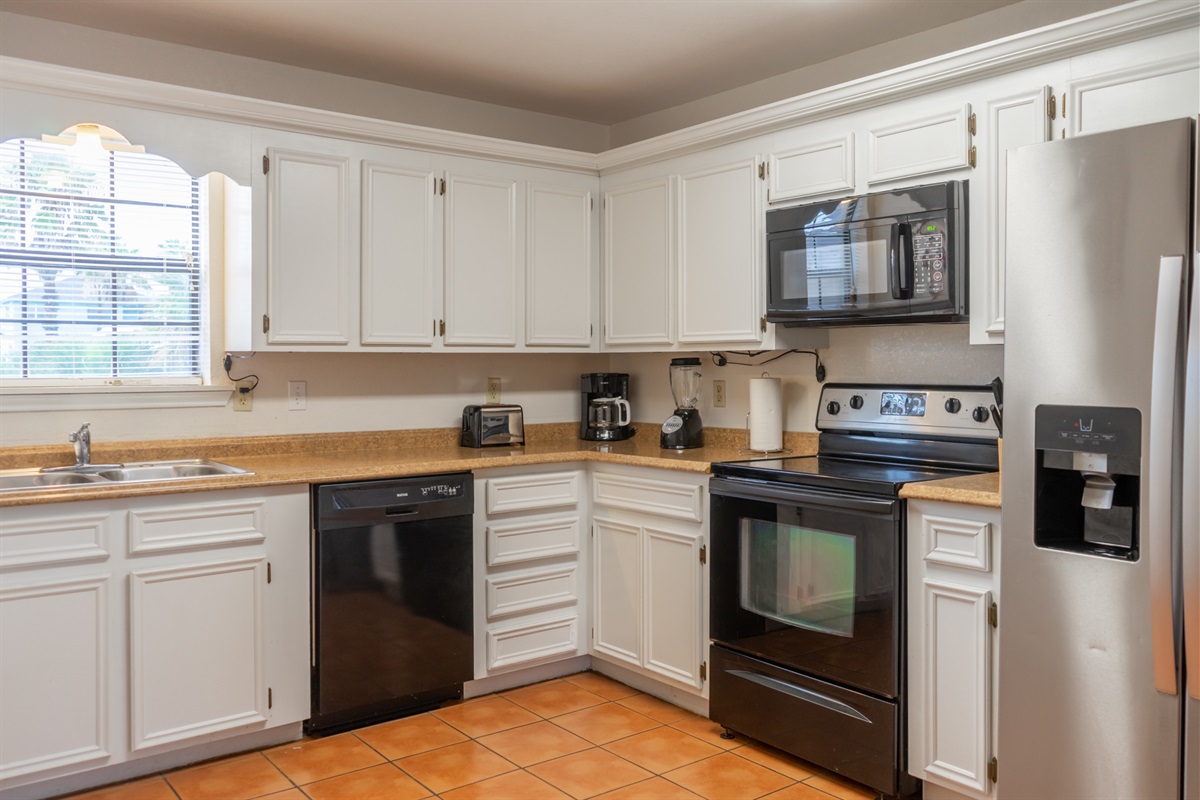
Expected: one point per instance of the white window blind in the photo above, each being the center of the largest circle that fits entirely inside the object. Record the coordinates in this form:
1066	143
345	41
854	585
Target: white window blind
100	266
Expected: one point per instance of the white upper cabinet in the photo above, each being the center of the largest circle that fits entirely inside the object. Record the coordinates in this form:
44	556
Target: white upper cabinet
930	137
481	260
558	266
309	268
721	280
822	166
639	263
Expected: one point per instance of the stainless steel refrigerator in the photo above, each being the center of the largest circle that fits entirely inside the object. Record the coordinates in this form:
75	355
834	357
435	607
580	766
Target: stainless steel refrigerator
1099	541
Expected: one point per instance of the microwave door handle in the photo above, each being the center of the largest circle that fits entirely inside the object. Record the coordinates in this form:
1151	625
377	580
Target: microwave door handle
895	268
907	276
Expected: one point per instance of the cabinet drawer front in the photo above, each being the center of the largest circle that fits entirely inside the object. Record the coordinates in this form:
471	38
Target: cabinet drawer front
527	644
933	143
175	527
54	540
532	492
965	543
532	539
531	591
662	498
818	168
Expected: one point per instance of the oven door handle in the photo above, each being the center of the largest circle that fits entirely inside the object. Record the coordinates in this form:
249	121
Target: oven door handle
727	488
800	693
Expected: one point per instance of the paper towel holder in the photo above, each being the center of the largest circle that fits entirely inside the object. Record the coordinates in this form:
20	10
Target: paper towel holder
783	451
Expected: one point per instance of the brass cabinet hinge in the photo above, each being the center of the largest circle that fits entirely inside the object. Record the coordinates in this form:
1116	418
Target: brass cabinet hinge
266	164
1064	105
270	697
762	323
993	769
993	615
971	156
1052	107
442	186
971	123
703	554
268	572
441	327
591	331
762	171
266	323
703	670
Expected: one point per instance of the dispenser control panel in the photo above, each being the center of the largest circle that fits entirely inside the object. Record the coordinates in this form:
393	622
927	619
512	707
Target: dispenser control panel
1089	429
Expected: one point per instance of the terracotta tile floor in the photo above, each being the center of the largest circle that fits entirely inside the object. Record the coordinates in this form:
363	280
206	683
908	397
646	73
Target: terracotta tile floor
584	736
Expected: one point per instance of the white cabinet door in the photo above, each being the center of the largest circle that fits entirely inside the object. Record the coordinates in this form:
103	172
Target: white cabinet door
674	644
1137	94
54	678
398	255
558	266
197	645
617	590
638	263
957	704
814	168
720	254
935	139
309	263
1013	120
480	261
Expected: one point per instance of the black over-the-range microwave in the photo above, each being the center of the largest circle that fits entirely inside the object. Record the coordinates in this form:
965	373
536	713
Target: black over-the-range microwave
888	257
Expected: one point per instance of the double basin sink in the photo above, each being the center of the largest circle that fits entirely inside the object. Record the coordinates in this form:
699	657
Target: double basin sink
26	479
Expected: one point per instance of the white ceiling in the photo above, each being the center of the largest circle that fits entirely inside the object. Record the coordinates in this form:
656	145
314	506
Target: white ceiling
601	61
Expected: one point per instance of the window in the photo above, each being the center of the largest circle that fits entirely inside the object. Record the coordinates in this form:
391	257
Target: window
100	267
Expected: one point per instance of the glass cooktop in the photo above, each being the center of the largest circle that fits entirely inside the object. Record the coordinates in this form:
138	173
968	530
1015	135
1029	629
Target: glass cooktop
835	473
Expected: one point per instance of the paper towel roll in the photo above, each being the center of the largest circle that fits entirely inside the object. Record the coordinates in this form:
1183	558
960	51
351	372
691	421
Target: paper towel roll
766	414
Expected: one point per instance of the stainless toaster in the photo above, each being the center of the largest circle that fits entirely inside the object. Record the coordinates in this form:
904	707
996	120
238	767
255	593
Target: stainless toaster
493	425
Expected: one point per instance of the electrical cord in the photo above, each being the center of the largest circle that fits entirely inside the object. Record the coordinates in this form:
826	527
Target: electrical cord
229	357
720	360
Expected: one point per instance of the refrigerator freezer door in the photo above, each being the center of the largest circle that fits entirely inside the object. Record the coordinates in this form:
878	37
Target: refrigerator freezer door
1089	219
1190	539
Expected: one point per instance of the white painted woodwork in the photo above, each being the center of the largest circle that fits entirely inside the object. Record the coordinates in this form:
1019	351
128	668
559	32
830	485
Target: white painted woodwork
532	492
721	232
197	642
480	261
1014	120
31	539
965	543
674	602
533	590
176	526
54	675
819	168
639	263
530	539
533	643
1135	95
957	681
658	497
399	271
558	266
308	248
923	145
618	587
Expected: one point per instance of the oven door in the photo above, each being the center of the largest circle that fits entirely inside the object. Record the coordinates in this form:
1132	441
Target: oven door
809	580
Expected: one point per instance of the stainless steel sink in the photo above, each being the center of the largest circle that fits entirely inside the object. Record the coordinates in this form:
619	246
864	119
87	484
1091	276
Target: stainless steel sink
27	479
168	470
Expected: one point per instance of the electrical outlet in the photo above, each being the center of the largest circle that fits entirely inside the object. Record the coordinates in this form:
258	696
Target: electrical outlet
243	401
718	393
297	395
493	390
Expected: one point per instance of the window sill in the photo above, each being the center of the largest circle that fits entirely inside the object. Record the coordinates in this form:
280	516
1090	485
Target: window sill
77	398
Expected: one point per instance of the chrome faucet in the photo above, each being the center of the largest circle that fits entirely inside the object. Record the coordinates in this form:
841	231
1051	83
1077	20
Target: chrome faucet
82	439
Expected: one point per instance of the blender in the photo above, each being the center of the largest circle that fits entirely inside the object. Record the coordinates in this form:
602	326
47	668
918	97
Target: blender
683	429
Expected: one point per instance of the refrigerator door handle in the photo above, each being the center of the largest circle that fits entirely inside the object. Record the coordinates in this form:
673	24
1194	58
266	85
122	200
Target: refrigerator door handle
1163	389
1191	496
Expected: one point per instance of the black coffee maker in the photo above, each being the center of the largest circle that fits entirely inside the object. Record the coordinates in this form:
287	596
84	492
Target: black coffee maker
604	414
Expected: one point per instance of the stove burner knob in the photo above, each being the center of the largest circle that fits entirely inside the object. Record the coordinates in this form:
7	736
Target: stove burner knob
856	402
833	407
954	405
980	414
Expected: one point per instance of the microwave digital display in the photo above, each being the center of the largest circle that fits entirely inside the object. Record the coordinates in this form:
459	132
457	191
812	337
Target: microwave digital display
902	404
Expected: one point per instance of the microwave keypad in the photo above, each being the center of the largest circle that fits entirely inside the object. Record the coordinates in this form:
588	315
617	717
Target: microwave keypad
929	262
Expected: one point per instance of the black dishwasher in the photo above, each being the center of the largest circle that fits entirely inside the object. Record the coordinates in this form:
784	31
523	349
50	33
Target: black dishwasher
392	598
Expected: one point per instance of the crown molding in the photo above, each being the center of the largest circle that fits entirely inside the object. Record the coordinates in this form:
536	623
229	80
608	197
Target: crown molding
1137	20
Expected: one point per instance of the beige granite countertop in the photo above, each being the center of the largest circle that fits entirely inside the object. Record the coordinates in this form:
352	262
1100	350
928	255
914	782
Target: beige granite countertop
322	458
974	490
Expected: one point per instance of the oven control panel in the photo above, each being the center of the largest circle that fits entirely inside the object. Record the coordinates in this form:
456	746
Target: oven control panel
962	411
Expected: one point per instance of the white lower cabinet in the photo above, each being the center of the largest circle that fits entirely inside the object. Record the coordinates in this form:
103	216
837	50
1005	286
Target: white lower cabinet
649	600
953	590
530	567
131	628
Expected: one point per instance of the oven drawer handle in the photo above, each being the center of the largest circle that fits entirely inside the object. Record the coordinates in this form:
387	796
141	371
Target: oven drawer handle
801	693
727	488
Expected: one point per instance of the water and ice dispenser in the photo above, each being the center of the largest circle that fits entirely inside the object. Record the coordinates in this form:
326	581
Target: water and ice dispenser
1088	479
